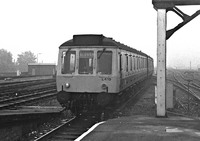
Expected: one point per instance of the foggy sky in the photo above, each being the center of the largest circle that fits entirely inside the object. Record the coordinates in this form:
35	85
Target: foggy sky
42	26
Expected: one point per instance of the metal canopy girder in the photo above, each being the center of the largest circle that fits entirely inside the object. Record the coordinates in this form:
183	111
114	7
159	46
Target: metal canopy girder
165	4
186	19
170	5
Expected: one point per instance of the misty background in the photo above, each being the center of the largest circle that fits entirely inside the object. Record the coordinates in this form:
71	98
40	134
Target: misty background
40	27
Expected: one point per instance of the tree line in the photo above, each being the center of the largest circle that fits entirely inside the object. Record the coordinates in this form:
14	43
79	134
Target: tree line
8	64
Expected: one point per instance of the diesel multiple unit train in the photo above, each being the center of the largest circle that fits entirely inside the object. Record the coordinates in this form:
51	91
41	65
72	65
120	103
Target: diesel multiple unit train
96	68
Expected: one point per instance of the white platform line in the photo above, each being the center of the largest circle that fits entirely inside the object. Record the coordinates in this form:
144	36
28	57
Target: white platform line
88	131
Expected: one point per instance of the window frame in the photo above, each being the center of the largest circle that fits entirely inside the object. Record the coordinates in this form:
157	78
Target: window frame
93	62
63	61
107	50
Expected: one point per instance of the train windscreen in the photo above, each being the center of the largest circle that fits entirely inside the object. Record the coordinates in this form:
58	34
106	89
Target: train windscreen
86	62
104	62
68	62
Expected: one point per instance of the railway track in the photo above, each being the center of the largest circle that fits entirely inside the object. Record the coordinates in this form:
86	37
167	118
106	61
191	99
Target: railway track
26	90
71	130
189	101
193	89
15	86
12	102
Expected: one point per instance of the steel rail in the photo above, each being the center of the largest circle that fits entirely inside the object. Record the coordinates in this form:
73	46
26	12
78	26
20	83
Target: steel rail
186	89
28	98
54	131
23	91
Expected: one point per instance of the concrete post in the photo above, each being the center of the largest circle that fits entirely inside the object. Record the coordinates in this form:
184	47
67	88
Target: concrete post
161	62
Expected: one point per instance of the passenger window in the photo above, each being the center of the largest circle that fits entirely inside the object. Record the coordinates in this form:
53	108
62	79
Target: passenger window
138	62
86	62
121	62
131	66
133	62
126	63
142	62
104	62
68	62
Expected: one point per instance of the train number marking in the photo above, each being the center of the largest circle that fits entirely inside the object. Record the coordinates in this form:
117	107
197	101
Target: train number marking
105	78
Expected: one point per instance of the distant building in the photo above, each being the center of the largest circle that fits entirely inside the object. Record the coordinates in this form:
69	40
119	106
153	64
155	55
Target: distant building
41	69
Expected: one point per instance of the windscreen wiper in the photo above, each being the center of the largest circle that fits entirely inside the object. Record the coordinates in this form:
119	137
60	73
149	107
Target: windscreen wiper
68	51
101	53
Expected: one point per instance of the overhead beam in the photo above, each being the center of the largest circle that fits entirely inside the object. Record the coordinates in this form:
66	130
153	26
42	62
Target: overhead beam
185	17
170	5
164	4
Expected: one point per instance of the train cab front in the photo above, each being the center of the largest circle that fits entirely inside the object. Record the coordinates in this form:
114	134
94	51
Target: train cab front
87	72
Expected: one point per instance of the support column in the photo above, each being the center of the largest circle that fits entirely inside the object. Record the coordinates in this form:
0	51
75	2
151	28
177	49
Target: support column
161	62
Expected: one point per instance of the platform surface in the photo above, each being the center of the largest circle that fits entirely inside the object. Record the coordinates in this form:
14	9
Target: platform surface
146	128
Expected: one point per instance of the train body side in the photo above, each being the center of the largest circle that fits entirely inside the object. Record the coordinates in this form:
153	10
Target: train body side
133	68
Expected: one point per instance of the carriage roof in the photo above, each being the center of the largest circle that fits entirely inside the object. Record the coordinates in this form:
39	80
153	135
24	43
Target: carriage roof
97	40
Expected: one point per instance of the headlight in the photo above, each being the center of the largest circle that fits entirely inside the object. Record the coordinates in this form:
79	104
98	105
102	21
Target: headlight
67	85
104	86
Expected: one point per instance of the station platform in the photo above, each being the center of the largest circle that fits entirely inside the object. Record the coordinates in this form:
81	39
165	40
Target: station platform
138	122
145	128
28	112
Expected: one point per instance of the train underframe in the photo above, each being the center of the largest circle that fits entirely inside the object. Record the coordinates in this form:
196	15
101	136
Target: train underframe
78	101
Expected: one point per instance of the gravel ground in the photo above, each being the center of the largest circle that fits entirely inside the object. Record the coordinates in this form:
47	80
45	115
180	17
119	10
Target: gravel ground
46	102
51	123
181	105
144	106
